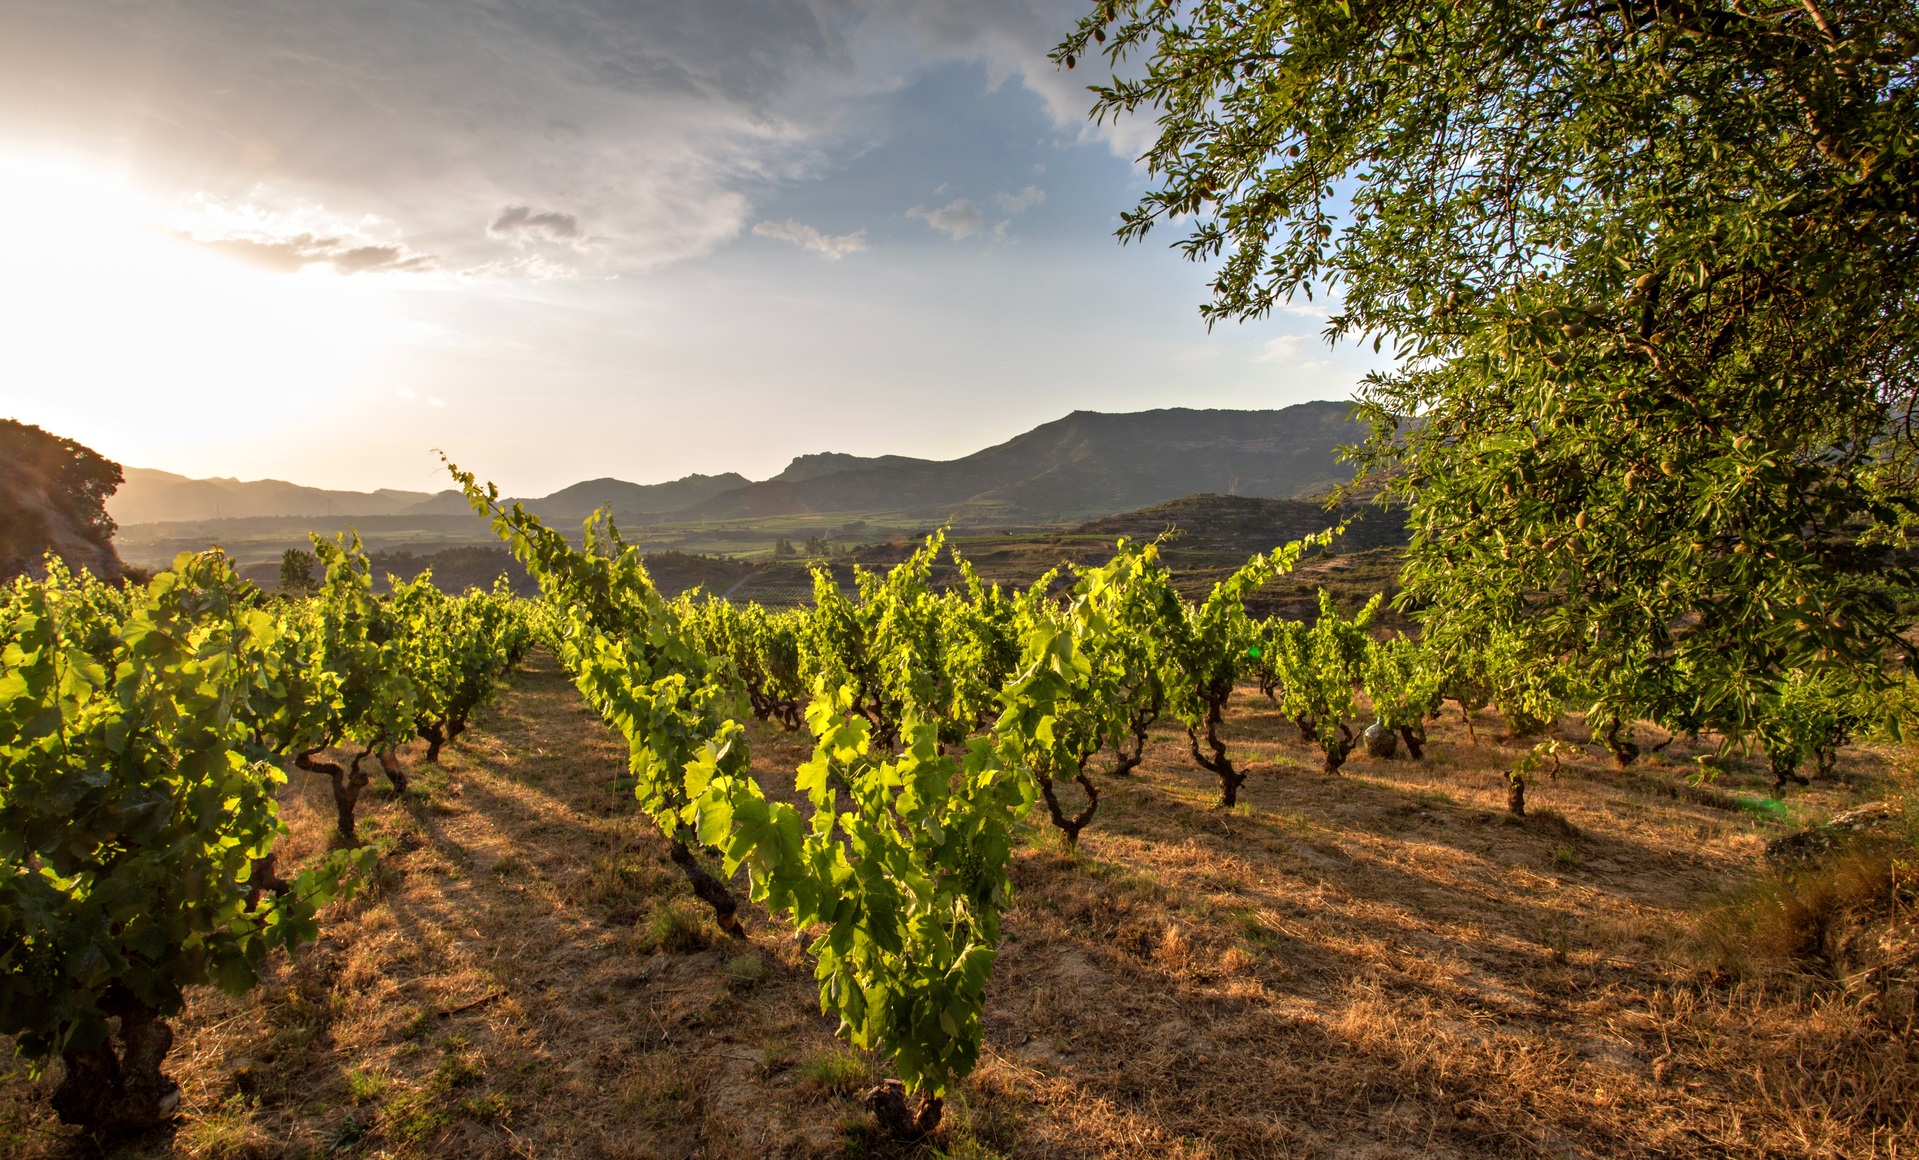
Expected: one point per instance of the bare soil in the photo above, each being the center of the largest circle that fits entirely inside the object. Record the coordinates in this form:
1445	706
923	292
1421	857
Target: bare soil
1381	964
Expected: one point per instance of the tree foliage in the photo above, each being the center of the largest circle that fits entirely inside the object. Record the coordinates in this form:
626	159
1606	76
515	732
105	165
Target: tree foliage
1650	272
53	497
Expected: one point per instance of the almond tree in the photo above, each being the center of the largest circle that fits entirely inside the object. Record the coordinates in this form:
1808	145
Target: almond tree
1651	272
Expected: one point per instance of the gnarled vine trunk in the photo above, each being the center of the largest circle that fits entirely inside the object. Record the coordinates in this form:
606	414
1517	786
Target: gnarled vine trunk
1230	779
888	1102
1623	751
1338	751
1126	760
346	786
709	890
435	736
119	1093
395	776
1785	768
1070	827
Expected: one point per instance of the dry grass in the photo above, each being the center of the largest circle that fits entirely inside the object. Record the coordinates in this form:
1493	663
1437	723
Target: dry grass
1380	964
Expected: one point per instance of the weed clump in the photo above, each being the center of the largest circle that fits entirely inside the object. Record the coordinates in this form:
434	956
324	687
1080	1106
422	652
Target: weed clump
1847	921
837	1070
676	927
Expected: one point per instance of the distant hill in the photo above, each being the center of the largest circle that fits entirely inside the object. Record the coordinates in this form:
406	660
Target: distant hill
1087	464
579	501
822	463
149	496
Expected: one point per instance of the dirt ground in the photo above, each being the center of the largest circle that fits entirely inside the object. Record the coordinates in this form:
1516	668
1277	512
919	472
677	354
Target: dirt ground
1381	964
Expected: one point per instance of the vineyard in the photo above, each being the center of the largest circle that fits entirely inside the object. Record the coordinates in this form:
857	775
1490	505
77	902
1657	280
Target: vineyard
1084	867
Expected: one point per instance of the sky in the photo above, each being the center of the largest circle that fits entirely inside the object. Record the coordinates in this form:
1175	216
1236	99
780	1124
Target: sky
564	239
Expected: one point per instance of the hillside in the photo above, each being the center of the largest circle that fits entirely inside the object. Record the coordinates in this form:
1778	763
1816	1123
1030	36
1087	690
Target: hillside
149	496
52	497
577	502
1087	464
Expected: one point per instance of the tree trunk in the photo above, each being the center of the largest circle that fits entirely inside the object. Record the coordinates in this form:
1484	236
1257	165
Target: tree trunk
1414	736
395	776
120	1094
1516	795
1070	827
1466	715
346	787
888	1102
1125	762
1785	769
1338	751
1623	751
435	736
709	890
1230	779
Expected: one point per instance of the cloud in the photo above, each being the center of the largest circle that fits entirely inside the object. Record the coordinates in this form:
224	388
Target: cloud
363	259
1020	202
809	238
1282	349
662	125
519	222
290	255
959	220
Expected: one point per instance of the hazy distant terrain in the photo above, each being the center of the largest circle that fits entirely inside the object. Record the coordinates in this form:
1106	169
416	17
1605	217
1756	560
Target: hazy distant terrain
1085	466
148	496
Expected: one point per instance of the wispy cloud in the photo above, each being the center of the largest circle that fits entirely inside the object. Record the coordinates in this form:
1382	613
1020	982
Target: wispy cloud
830	246
520	223
1020	202
959	220
289	255
1285	348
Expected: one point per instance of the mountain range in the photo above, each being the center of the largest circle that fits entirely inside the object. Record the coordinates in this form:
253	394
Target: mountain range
1086	465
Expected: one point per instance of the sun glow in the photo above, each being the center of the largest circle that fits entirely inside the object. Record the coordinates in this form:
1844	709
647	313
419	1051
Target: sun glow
120	323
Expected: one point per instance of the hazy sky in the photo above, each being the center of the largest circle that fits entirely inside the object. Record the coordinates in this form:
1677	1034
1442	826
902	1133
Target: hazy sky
315	239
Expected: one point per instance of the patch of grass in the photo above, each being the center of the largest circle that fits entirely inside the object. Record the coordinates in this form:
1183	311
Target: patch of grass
677	927
745	970
345	1134
1552	821
1771	809
416	1116
363	1086
966	1147
1565	856
657	1088
492	1108
227	1132
838	1069
618	881
456	1071
419	1025
1252	928
1817	916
